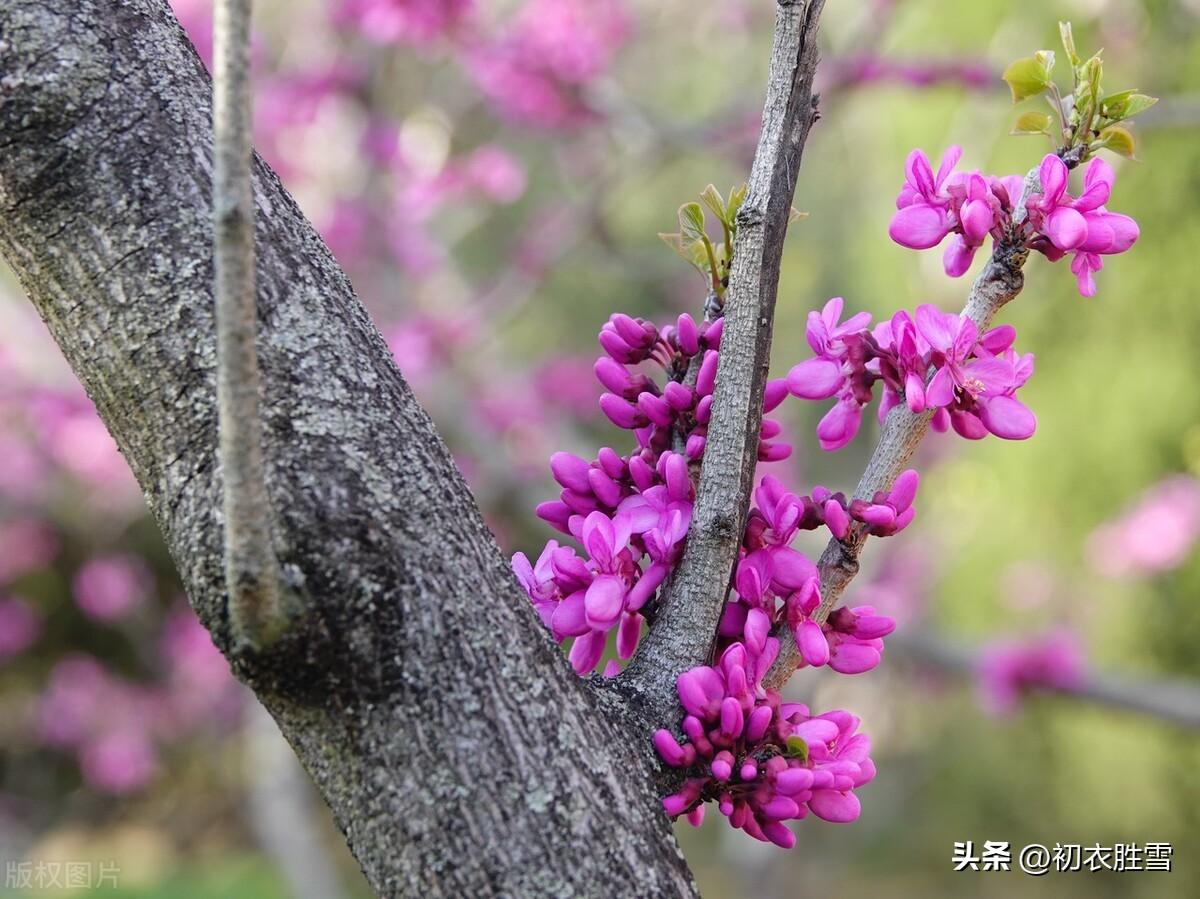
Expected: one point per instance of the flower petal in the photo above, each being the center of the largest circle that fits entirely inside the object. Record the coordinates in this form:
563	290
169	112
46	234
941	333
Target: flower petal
1007	417
837	807
603	602
1066	228
815	379
919	226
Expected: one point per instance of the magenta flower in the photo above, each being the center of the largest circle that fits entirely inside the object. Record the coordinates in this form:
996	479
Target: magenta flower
924	217
1079	224
764	762
909	362
110	587
978	384
970	206
119	762
1007	669
822	376
840	424
978	213
1052	211
888	512
1157	533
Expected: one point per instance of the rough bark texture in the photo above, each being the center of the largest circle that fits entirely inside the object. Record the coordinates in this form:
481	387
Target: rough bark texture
459	754
685	623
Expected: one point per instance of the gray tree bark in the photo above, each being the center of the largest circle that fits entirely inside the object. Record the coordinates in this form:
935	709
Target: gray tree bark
460	755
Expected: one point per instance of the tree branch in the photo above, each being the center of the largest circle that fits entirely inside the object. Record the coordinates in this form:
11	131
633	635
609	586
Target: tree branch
1000	282
686	620
903	430
251	570
1177	702
459	753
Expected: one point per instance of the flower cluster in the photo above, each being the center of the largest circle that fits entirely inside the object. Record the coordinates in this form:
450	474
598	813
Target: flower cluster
972	388
776	585
537	71
762	760
630	513
968	206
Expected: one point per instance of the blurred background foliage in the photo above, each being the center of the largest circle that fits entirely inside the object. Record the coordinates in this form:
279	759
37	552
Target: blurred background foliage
493	176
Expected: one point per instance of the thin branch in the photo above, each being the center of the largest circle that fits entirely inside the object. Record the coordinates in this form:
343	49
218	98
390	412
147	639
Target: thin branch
686	622
903	430
1176	701
251	570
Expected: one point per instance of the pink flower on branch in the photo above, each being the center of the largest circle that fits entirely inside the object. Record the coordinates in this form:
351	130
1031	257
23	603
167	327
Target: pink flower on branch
763	761
970	206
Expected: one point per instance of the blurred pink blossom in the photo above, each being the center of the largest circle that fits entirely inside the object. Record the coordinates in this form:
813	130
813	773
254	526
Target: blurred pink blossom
196	17
20	626
25	545
493	171
24	473
1007	668
76	438
534	72
567	383
73	698
118	762
200	687
409	21
1156	534
109	587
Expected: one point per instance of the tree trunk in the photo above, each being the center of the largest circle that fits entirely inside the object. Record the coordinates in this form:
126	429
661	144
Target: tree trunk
460	755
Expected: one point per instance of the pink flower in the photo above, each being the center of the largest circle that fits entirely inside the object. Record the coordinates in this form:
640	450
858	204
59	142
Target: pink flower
20	626
118	763
1052	211
1157	534
764	762
823	375
25	545
408	21
978	385
535	72
888	512
109	587
970	206
1009	668
1079	224
496	173
923	209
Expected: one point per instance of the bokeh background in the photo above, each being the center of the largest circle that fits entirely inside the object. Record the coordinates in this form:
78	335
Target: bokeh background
493	176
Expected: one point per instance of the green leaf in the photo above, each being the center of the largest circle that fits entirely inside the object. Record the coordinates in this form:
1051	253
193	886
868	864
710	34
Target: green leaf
1090	74
1118	139
1030	76
1068	42
796	748
1125	104
675	242
714	201
691	222
737	196
1033	123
